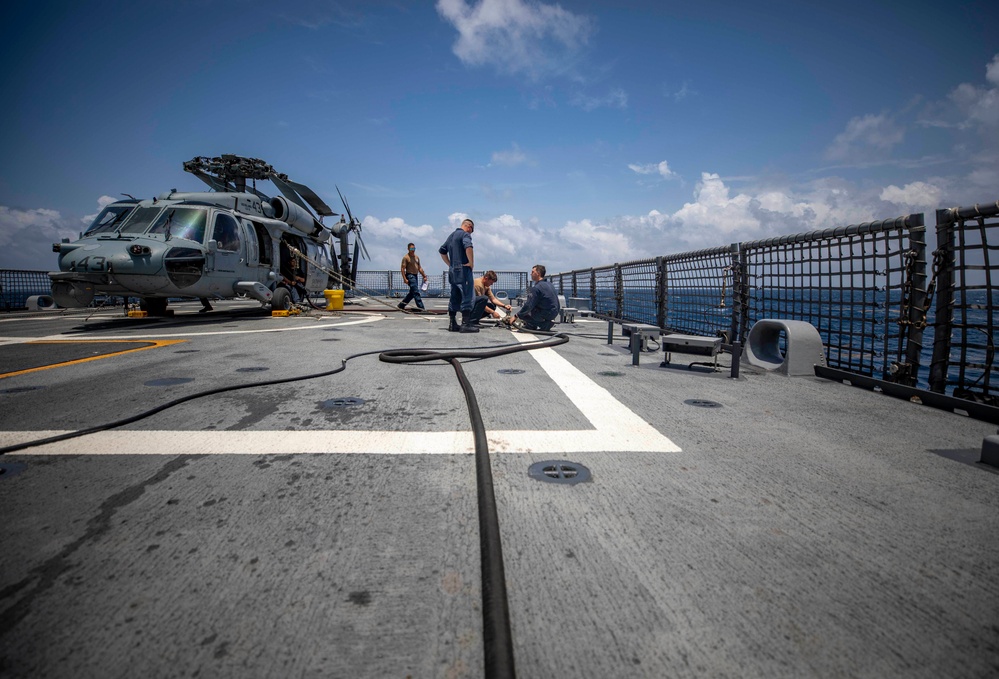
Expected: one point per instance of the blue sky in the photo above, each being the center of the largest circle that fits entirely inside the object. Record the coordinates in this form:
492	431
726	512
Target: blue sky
574	134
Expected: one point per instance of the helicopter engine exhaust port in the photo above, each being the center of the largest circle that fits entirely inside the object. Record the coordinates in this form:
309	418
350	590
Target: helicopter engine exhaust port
295	216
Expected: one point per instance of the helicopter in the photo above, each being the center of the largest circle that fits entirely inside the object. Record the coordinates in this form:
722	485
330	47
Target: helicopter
231	241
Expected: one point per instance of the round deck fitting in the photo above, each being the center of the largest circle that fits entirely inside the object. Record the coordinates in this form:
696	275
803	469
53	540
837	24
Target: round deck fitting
341	402
702	403
559	471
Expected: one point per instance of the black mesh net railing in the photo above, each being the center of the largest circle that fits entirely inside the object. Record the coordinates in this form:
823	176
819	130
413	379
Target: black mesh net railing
857	284
639	301
699	292
17	286
847	282
604	291
513	283
966	270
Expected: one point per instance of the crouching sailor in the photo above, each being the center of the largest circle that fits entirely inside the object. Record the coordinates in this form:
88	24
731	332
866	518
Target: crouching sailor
541	307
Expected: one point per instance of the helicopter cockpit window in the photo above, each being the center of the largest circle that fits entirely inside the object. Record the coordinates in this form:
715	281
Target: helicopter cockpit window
226	232
140	219
109	219
182	222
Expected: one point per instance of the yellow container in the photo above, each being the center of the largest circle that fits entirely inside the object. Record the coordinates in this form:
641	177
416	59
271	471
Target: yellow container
280	313
138	314
334	300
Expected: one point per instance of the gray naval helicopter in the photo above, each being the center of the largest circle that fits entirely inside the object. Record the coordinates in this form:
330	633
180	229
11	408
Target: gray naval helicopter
231	241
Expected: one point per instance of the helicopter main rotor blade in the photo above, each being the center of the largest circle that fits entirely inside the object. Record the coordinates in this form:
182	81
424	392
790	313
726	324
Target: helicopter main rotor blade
259	194
364	250
287	191
213	182
345	206
312	199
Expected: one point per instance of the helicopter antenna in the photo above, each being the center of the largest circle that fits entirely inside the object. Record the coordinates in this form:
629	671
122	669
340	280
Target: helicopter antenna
130	196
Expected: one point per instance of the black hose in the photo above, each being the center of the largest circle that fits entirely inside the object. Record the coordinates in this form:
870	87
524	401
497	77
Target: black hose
497	639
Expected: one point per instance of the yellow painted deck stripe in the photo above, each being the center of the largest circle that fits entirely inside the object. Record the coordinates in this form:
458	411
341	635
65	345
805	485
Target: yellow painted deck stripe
153	344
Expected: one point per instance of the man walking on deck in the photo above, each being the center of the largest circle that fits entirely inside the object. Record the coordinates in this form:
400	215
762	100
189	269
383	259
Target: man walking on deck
458	255
410	267
541	307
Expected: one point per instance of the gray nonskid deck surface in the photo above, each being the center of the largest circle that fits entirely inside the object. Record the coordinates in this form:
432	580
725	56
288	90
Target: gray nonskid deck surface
804	528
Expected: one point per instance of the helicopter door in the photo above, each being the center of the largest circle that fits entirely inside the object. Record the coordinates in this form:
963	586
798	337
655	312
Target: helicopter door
226	235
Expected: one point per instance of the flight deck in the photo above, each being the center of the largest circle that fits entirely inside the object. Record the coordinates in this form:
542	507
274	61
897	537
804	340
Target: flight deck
316	514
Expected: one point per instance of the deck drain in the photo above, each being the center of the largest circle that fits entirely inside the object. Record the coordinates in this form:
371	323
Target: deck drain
702	403
252	369
331	339
18	390
187	351
9	469
511	371
341	402
168	381
559	471
607	353
611	373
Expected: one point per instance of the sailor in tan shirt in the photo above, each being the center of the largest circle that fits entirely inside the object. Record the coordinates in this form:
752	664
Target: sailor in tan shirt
410	267
485	300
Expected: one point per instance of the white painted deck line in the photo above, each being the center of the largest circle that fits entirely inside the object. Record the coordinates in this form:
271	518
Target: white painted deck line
142	336
604	412
616	429
126	442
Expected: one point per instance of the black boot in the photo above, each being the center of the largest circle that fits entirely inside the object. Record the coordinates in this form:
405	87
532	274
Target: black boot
453	327
466	322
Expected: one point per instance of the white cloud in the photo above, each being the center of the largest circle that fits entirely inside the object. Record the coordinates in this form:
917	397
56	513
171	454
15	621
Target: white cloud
661	168
386	243
506	242
26	237
601	242
980	105
918	196
509	158
514	36
864	137
102	203
714	210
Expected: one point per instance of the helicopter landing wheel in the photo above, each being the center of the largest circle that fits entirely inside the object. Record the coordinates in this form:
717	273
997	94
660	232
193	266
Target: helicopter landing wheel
154	306
281	300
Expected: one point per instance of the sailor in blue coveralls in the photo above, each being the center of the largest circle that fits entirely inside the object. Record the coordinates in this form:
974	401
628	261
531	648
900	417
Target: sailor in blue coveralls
541	307
458	255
